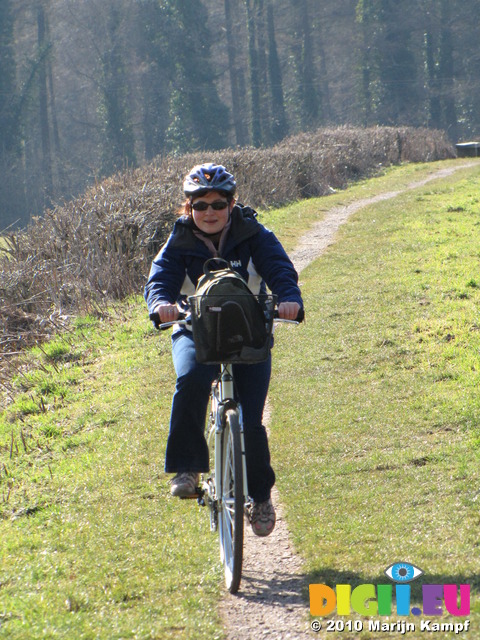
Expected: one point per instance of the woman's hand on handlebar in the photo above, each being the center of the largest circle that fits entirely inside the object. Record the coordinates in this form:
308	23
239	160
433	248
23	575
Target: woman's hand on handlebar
167	312
288	310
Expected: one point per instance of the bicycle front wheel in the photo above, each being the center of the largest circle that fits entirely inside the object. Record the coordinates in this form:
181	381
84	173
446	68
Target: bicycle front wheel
232	500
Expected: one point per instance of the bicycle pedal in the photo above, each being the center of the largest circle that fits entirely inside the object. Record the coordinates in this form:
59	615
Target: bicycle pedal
195	496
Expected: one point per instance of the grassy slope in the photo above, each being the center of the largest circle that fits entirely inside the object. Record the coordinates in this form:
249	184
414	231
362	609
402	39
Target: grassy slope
384	417
105	554
386	459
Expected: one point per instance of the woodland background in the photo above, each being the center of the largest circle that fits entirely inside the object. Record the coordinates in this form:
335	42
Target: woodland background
92	87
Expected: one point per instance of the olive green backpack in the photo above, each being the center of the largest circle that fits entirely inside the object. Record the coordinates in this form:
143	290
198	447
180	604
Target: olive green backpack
229	323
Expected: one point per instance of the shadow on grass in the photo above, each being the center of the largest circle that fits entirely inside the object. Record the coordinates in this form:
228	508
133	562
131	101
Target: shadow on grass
285	589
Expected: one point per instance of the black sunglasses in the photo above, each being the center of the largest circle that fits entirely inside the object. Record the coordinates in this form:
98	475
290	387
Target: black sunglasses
201	205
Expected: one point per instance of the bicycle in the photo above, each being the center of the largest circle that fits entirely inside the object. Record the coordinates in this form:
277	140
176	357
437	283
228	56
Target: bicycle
224	489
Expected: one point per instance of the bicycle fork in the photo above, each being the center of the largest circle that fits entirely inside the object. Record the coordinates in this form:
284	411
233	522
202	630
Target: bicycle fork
244	460
218	455
226	395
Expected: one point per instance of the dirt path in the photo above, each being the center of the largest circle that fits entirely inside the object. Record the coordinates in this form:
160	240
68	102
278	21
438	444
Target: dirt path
270	603
314	243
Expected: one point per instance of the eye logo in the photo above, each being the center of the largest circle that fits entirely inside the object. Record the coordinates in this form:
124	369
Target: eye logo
403	572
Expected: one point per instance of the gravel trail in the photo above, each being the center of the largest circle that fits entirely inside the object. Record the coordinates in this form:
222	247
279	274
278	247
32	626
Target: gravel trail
271	601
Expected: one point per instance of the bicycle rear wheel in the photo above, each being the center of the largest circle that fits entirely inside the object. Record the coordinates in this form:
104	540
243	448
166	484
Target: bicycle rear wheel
230	522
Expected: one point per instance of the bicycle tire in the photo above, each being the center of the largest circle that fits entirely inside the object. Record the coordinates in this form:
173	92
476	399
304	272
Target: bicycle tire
230	520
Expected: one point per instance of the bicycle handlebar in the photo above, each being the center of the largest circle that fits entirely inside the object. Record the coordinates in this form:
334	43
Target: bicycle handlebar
183	319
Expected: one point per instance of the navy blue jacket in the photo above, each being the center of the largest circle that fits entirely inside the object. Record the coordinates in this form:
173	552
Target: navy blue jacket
251	249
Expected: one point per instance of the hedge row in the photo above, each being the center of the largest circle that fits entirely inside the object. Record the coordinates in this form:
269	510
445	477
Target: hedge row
99	246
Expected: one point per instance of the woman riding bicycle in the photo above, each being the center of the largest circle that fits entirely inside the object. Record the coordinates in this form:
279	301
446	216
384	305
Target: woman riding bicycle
213	225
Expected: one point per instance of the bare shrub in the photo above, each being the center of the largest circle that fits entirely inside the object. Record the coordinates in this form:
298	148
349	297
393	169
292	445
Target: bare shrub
99	246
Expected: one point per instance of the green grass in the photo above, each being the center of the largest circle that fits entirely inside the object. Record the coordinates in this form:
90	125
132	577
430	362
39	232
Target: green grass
375	435
92	547
384	413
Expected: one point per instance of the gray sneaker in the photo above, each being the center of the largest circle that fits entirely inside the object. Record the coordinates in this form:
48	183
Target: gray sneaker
261	516
184	485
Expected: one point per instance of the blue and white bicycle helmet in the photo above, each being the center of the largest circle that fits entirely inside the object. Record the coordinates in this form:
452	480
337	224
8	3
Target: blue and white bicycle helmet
209	177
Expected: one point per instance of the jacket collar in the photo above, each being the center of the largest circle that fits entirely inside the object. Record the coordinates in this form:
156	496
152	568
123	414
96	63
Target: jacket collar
243	226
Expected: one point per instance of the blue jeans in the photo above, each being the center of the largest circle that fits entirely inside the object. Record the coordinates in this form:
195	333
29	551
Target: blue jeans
186	446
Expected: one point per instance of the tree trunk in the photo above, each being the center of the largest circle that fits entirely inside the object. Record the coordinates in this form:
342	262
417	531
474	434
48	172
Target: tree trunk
446	71
118	145
9	141
307	90
241	133
365	62
43	106
261	39
60	174
435	110
279	120
254	76
325	90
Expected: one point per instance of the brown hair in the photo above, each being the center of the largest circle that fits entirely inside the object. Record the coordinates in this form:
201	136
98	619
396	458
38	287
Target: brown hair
185	209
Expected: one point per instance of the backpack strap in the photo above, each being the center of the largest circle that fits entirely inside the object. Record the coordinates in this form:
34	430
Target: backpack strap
207	270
